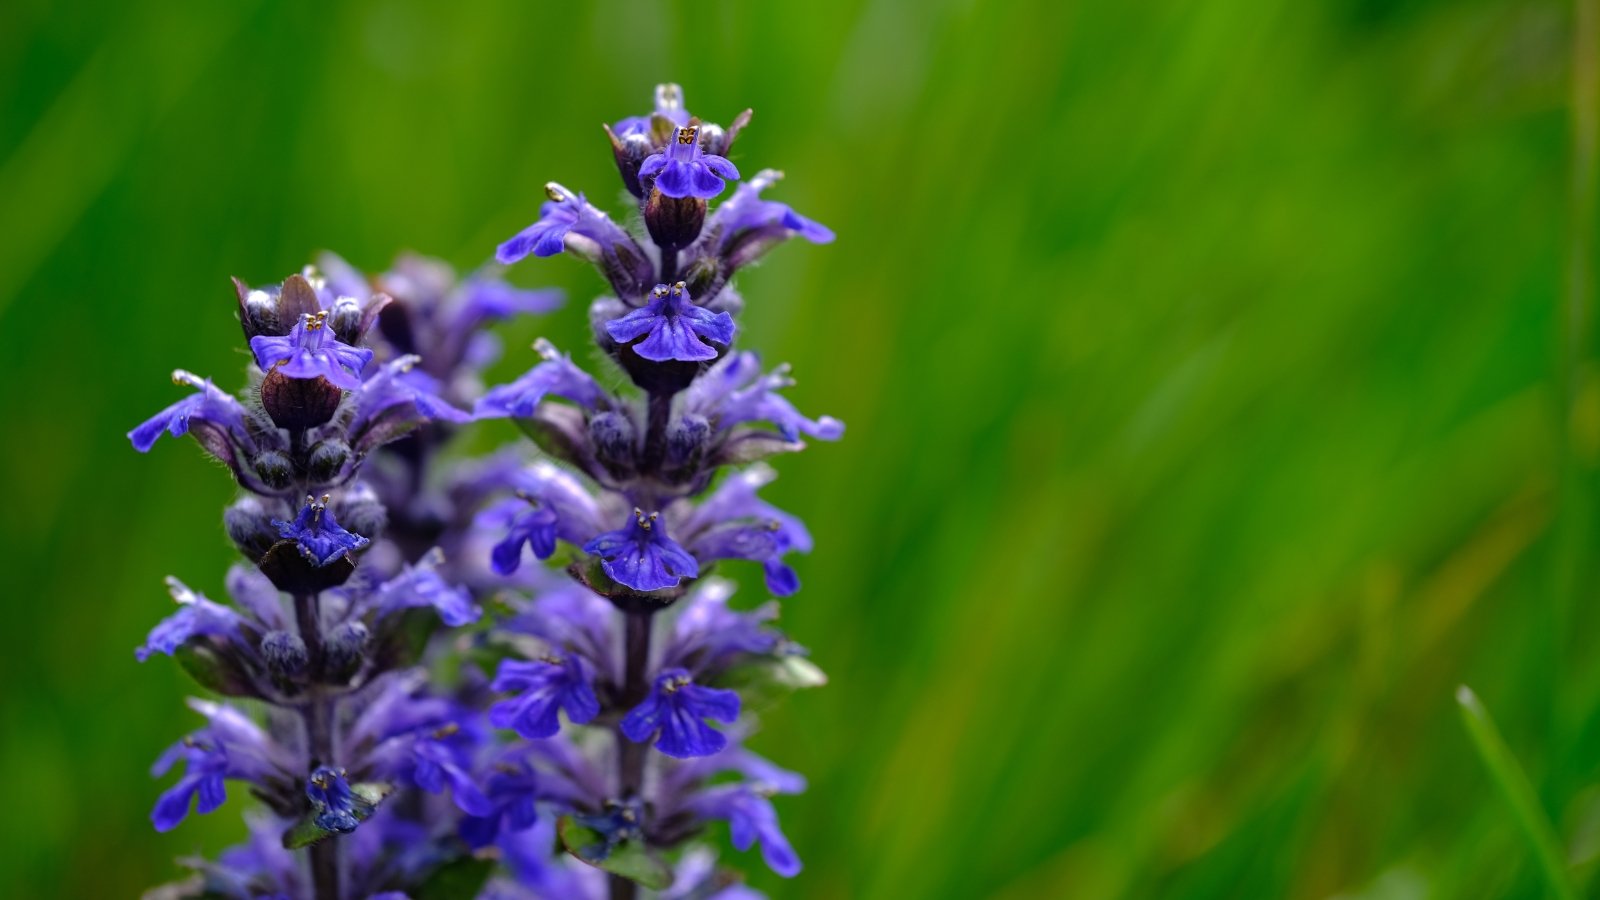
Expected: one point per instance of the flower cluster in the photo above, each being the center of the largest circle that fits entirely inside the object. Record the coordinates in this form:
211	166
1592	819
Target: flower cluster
623	686
402	743
331	724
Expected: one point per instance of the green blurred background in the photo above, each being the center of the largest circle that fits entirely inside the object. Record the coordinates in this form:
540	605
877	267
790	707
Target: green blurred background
1204	367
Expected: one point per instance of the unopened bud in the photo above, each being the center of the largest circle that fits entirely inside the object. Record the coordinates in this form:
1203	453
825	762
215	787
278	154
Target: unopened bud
613	436
602	311
327	460
703	278
258	311
629	151
250	526
344	651
686	440
273	468
285	653
359	510
345	320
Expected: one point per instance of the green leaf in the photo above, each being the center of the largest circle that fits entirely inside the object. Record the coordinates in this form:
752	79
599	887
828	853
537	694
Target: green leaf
1516	791
306	832
212	670
462	877
766	679
626	859
556	429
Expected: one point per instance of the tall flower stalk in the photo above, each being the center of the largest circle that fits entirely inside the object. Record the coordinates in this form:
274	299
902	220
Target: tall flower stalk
648	490
401	744
329	721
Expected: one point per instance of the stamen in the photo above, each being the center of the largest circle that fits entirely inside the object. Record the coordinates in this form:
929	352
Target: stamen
687	135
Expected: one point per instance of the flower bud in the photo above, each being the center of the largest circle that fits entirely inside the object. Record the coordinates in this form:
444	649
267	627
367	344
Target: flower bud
360	511
345	320
327	459
250	526
674	222
601	311
274	469
629	151
343	652
703	278
285	654
299	403
258	311
686	440
613	437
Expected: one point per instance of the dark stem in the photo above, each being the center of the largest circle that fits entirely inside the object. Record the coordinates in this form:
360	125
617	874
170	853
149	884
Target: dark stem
669	265
318	714
631	756
655	435
307	620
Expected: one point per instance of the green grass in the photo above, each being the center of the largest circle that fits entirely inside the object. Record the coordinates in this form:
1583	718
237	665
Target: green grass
1202	366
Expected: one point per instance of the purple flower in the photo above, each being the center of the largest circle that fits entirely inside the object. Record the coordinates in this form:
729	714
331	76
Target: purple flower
196	617
310	350
436	763
252	592
707	632
542	687
551	505
207	404
259	868
677	707
563	214
735	391
338	808
570	616
556	375
513	791
205	769
400	382
733	523
487	297
674	326
750	818
641	556
318	533
229	747
421	585
745	216
684	170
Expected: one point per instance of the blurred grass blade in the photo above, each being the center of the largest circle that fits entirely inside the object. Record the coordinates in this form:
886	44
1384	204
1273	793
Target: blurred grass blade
1513	783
